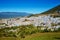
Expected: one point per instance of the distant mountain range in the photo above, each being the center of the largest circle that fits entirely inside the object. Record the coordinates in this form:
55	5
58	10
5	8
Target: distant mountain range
13	14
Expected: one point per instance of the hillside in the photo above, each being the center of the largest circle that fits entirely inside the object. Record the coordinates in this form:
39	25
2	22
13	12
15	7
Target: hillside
55	11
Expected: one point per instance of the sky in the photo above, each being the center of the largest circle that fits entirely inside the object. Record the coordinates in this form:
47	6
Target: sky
29	6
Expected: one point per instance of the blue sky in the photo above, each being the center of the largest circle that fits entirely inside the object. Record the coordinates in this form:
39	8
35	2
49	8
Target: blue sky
29	6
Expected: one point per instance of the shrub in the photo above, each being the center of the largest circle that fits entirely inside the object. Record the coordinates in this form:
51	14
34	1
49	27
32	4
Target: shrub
59	29
22	34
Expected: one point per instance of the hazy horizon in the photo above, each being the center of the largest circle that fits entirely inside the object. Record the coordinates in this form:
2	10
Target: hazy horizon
29	6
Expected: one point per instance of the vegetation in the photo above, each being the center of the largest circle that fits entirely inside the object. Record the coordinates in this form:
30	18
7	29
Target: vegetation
24	31
37	36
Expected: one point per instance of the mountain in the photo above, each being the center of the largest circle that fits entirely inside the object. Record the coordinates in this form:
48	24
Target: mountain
12	14
55	11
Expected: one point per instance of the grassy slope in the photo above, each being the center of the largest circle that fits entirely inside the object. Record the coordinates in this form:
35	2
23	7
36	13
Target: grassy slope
37	36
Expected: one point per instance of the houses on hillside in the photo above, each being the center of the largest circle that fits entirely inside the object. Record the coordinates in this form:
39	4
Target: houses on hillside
36	21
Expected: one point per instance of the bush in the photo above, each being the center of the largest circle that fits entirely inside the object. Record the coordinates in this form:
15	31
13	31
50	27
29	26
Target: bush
59	29
22	34
45	30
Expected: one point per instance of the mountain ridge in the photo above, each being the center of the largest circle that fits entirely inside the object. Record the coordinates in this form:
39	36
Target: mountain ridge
52	11
13	14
